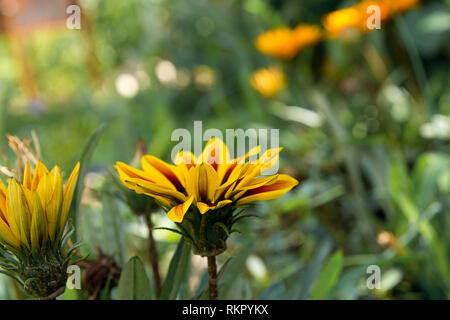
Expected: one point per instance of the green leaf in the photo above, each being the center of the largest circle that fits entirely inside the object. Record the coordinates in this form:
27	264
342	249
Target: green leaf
85	160
203	290
328	276
298	285
233	269
133	282
178	269
113	233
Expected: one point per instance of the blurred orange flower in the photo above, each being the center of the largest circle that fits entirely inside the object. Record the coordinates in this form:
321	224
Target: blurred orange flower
399	6
362	7
268	81
341	22
306	35
284	43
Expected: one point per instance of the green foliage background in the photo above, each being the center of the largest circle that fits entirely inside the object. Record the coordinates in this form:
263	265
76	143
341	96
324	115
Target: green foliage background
379	162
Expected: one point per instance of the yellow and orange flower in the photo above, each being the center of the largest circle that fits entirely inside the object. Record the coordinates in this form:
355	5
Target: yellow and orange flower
285	43
268	81
34	213
210	181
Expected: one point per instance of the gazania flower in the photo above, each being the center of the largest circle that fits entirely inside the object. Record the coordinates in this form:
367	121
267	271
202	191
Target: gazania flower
268	81
209	182
342	21
284	43
33	217
210	186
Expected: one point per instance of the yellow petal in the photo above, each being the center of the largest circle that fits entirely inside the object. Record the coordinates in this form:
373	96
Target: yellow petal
38	223
252	184
19	216
7	236
39	172
162	173
2	201
27	179
251	154
204	207
176	214
45	192
185	157
283	184
53	207
155	191
207	182
69	190
127	172
269	159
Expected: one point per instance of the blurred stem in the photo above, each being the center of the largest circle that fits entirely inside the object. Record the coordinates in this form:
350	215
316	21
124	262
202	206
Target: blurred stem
212	277
416	61
319	101
153	255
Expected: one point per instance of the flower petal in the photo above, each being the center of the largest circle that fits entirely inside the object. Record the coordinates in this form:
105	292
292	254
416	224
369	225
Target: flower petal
38	223
283	184
127	172
18	212
215	153
204	207
7	236
27	178
176	214
156	191
39	171
162	172
69	191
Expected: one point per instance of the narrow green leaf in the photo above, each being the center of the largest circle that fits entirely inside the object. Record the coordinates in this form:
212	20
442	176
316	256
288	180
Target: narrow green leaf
328	276
233	269
178	269
113	233
85	160
133	282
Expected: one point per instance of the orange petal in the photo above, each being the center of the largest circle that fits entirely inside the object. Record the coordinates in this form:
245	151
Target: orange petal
162	172
283	184
176	214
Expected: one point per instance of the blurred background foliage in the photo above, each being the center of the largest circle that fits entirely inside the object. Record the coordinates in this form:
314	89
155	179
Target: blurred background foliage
365	125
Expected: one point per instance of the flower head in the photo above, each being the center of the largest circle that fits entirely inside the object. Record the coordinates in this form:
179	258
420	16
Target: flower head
212	184
33	217
284	43
210	181
268	81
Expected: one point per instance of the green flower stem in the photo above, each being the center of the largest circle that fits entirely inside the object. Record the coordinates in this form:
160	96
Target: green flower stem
212	277
153	255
